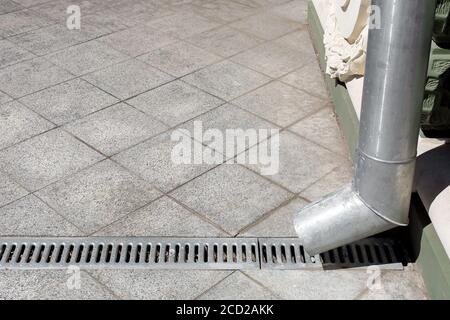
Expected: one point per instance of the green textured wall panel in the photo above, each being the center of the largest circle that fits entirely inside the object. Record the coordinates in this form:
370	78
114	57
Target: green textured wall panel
442	25
436	106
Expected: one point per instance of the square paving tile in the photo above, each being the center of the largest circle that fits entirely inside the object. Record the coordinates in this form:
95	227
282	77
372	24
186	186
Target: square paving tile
322	128
21	21
264	4
48	285
138	40
179	58
128	78
159	284
11	53
152	160
226	80
86	57
162	218
46	158
175	102
224	41
272	59
4	98
228	117
98	195
395	285
94	29
238	287
30	76
105	21
332	182
140	12
49	39
115	128
279	103
9	6
224	10
299	40
231	196
266	26
68	101
56	10
18	123
313	285
29	3
309	79
279	223
301	162
296	10
183	25
30	216
188	6
9	190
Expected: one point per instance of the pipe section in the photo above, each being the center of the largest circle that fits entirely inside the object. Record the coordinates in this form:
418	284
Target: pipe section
379	197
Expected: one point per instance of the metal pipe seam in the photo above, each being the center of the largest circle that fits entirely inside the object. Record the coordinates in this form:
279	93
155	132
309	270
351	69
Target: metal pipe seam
386	188
375	211
361	152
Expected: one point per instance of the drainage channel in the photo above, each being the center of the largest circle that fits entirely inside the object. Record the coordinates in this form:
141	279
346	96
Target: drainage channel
191	253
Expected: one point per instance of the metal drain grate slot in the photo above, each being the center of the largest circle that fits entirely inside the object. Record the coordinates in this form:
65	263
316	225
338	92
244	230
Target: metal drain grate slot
286	254
149	253
385	253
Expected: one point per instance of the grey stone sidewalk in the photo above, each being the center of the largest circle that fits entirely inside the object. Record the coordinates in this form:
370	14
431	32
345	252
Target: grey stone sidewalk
86	118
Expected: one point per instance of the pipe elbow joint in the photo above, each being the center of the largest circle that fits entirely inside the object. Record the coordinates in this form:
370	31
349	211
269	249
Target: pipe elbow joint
336	220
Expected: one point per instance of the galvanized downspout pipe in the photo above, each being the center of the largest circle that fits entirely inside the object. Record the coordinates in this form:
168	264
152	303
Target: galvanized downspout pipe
378	199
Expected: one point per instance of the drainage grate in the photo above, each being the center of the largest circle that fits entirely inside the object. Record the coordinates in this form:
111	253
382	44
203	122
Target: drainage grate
148	253
193	253
385	253
286	254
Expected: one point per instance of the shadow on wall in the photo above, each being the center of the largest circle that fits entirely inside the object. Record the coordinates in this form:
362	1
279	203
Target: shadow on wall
431	182
433	174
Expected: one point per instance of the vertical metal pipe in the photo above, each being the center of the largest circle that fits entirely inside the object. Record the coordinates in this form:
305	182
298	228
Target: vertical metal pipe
397	61
379	197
